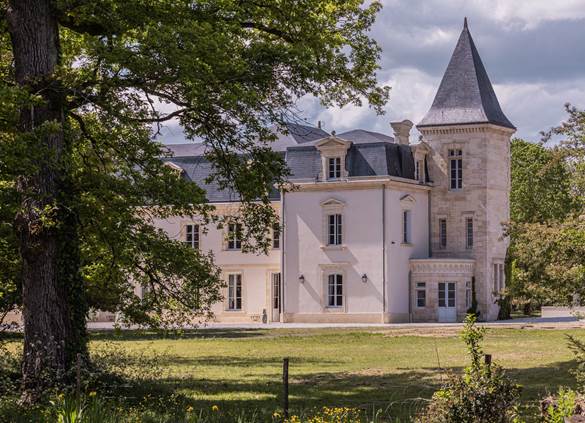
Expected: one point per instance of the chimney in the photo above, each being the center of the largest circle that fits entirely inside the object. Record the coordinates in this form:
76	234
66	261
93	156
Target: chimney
402	131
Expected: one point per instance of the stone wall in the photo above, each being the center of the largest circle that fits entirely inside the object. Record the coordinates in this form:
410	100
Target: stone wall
484	197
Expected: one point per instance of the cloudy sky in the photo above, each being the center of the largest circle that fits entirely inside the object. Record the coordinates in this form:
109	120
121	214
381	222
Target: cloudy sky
533	50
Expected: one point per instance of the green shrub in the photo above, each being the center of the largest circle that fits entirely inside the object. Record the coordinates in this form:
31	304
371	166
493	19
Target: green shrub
483	394
561	406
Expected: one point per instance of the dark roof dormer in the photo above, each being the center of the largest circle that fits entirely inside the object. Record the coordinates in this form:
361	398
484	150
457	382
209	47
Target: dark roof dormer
466	95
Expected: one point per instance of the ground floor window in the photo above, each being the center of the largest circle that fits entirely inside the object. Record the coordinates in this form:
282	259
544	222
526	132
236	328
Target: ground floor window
498	277
446	294
468	294
276	291
335	290
235	291
421	294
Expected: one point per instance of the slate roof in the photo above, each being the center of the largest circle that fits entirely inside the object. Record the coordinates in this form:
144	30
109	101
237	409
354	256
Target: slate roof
359	136
371	154
363	159
466	95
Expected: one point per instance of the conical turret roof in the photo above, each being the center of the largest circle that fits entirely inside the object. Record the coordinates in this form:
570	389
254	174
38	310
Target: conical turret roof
466	95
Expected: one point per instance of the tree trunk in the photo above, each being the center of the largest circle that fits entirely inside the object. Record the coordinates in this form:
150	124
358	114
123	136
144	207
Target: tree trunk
46	223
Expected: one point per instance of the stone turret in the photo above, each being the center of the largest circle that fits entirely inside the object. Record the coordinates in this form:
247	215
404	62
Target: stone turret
469	166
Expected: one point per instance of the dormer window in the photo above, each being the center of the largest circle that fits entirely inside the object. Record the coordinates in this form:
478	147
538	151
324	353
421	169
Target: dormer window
333	152
334	168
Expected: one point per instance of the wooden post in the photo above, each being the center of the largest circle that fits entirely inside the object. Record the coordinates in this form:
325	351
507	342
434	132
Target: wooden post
78	381
488	363
285	387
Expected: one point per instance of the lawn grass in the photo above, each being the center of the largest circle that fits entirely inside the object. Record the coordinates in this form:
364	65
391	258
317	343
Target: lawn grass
342	367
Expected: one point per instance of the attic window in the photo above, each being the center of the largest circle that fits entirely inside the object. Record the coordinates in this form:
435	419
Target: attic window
334	168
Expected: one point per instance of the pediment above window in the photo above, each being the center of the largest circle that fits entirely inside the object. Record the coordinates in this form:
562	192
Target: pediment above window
333	143
333	152
178	169
407	202
332	203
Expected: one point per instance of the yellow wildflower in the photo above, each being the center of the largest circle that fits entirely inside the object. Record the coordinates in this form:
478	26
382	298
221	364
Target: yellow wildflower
92	394
189	409
214	408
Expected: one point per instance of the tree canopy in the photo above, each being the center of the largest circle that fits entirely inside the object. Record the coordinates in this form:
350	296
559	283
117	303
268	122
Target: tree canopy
86	86
547	228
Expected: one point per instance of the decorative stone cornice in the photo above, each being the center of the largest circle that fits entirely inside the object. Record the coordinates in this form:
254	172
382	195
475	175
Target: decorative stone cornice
461	267
464	129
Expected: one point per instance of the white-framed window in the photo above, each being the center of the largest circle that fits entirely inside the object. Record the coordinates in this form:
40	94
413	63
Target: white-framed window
421	294
455	169
234	236
334	168
446	294
276	236
442	233
469	233
406	227
234	296
498	277
468	294
276	290
334	229
335	290
192	236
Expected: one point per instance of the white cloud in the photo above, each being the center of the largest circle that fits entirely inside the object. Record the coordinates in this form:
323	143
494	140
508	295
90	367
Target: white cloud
532	12
538	106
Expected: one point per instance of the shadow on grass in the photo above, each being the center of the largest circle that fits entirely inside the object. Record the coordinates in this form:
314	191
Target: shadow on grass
153	335
401	393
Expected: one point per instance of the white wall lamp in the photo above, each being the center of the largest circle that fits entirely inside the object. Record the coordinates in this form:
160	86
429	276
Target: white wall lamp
364	278
301	279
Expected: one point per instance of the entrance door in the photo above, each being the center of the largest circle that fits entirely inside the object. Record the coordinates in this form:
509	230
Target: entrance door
276	297
447	309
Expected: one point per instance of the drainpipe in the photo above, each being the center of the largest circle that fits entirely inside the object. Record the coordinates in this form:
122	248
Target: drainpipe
282	254
383	253
410	296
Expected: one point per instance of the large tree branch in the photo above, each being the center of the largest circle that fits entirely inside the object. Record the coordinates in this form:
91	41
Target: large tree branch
273	31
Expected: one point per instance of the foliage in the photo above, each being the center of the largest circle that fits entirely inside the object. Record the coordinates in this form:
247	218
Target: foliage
82	168
577	346
563	406
541	184
549	267
547	230
482	394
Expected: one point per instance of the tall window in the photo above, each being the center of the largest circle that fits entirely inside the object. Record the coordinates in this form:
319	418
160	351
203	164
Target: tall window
235	291
335	290
498	277
276	236
192	236
335	229
334	167
276	290
421	294
406	227
469	233
419	173
234	236
456	169
442	233
468	294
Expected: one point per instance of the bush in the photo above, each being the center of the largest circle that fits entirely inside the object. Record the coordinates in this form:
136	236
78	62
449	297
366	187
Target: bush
566	403
483	394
